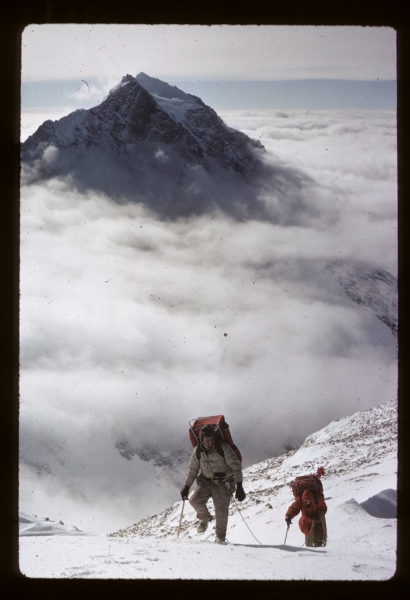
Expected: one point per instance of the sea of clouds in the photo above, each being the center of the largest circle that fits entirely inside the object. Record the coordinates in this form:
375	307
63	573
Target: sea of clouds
131	325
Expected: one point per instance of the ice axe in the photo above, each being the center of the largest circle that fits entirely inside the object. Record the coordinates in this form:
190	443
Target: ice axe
180	520
289	524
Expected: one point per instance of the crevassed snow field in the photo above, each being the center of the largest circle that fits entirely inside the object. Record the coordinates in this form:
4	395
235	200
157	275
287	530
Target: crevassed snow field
360	457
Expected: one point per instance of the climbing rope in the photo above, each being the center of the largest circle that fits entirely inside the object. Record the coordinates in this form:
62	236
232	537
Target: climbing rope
245	521
317	536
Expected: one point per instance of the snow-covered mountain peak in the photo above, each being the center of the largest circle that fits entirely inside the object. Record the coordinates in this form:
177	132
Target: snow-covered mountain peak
126	79
151	142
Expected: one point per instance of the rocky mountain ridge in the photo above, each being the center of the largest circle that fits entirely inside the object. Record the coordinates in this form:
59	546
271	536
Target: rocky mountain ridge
132	112
373	289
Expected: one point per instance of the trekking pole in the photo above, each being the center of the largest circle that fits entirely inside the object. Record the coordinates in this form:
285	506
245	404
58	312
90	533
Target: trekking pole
180	520
286	533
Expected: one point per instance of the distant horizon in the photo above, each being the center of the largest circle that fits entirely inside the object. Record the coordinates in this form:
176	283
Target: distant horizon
227	94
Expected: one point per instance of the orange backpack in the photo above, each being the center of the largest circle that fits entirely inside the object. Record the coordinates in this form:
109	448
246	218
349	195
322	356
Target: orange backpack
308	482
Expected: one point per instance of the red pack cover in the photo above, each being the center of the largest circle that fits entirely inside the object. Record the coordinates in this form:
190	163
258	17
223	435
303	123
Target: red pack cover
306	482
221	430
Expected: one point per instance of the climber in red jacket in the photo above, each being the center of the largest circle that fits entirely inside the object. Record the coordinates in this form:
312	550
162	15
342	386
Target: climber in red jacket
310	502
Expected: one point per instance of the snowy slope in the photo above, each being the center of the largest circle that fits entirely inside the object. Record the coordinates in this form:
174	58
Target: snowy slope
170	98
202	122
359	454
33	525
360	448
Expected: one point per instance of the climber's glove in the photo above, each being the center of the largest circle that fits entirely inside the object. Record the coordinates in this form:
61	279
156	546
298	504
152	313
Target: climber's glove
185	492
288	520
240	494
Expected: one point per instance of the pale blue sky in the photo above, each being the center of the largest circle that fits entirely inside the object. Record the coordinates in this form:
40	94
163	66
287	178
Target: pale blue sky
202	53
225	95
227	66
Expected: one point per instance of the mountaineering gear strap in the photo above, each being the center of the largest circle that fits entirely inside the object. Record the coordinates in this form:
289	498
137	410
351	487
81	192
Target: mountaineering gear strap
228	484
221	478
232	461
219	448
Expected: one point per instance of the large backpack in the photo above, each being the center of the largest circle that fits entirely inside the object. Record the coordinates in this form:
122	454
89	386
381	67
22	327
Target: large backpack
221	429
308	482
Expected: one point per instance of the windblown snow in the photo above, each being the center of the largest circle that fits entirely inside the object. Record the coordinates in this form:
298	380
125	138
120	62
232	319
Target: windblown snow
359	454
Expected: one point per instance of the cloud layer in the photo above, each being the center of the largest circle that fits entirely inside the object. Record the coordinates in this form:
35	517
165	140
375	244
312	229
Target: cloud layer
124	316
